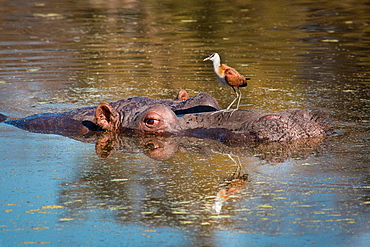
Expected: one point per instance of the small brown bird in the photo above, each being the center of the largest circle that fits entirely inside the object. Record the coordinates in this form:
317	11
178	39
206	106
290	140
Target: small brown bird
228	76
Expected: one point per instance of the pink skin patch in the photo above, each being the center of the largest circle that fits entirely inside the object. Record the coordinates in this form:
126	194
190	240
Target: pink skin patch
270	117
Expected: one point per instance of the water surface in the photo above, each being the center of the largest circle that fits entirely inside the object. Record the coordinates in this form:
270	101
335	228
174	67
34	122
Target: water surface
61	55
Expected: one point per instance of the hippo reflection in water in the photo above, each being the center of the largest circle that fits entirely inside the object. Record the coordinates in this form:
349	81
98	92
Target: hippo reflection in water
199	116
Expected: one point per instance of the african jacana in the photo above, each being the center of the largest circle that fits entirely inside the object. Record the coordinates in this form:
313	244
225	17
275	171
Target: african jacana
228	76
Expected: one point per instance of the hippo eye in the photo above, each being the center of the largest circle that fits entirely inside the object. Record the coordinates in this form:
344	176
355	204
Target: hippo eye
150	121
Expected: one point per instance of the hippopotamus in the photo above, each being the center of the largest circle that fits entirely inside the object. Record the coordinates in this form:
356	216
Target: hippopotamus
198	116
83	120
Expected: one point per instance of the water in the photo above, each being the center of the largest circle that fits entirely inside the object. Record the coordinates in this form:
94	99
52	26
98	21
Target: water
57	56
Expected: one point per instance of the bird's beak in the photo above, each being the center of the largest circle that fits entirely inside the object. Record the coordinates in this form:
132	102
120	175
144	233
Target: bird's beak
210	57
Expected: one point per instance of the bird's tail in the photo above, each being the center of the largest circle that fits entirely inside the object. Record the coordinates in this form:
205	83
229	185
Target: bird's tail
245	82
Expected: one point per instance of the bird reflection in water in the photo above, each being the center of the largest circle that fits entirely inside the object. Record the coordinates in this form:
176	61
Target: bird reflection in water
230	185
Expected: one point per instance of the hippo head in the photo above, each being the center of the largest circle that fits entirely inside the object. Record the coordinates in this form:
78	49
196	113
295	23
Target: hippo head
156	119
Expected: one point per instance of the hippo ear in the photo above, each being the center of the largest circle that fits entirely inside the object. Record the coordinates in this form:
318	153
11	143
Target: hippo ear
182	95
106	117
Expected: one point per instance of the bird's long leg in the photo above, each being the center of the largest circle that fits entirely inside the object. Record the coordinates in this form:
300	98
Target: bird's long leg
240	97
237	173
237	96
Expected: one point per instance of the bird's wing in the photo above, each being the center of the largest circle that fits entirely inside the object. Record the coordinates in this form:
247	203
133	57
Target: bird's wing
233	78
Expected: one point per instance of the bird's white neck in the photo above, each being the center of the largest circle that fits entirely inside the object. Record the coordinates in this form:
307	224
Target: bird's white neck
216	62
